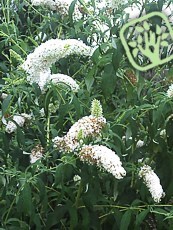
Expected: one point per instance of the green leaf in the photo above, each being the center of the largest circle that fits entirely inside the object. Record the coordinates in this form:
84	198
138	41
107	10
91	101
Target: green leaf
142	215
85	218
140	86
133	44
37	89
160	4
125	221
158	30
117	55
55	216
169	133
151	7
41	188
139	29
89	79
77	106
63	172
71	10
26	200
73	216
6	104
16	223
59	174
36	220
146	26
108	80
135	52
20	136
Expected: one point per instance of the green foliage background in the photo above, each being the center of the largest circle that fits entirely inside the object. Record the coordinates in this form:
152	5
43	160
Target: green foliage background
44	195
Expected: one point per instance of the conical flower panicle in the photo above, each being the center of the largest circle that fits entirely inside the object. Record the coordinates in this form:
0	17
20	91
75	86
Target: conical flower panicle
88	126
37	64
96	108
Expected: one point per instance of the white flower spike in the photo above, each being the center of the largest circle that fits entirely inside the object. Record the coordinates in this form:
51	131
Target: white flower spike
152	182
38	63
104	158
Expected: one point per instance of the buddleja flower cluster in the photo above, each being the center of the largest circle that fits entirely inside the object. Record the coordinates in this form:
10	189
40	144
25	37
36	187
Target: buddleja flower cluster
152	182
17	119
36	153
65	80
38	63
114	4
91	126
104	158
88	126
170	91
61	6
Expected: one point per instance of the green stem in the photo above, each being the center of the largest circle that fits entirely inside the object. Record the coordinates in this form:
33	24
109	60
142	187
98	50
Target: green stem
140	207
78	194
12	203
48	129
12	40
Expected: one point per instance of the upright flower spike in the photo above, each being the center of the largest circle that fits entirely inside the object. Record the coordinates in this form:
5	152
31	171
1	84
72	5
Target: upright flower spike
80	135
152	182
88	126
96	108
104	158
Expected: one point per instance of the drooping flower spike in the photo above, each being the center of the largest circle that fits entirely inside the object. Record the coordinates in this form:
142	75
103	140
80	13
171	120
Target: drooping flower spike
152	182
104	158
38	63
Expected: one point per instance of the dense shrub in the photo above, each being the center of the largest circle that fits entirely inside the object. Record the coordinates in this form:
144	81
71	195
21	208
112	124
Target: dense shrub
94	151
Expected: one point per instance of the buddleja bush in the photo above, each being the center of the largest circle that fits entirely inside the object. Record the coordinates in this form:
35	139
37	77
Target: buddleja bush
85	140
